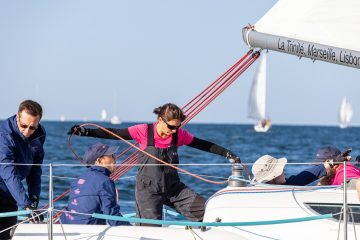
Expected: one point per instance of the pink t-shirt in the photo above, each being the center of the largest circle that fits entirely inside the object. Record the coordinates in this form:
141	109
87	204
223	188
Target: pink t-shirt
140	132
351	172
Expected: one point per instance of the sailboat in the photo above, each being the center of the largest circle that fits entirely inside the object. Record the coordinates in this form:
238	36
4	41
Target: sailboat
257	98
115	120
345	113
103	115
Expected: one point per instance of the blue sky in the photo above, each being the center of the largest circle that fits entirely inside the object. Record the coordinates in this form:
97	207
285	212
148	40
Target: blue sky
77	57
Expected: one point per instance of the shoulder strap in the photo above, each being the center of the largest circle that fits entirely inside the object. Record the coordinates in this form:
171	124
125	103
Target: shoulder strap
150	137
174	140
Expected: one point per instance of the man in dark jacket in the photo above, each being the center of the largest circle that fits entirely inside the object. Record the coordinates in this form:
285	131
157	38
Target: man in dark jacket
21	142
94	191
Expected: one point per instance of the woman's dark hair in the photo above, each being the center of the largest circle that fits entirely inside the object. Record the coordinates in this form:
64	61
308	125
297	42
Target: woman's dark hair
170	112
31	107
327	180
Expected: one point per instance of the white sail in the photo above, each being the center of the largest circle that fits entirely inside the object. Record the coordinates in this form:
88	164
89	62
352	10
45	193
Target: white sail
115	120
257	98
103	115
318	29
345	113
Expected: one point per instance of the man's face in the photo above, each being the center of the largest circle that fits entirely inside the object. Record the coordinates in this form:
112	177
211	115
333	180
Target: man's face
27	123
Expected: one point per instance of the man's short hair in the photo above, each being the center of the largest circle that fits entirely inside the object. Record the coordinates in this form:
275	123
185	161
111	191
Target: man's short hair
31	107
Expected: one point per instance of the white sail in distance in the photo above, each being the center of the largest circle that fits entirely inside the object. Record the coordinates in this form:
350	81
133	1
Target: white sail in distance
345	113
257	98
103	115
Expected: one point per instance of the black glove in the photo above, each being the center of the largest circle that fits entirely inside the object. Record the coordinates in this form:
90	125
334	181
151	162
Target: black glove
232	157
77	130
34	201
34	216
342	157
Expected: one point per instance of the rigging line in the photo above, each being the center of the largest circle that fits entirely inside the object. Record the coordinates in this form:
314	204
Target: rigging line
123	171
125	167
191	231
153	164
120	168
353	222
149	155
56	199
229	78
73	151
62	228
123	152
26	220
60	177
128	160
206	90
234	77
221	77
57	215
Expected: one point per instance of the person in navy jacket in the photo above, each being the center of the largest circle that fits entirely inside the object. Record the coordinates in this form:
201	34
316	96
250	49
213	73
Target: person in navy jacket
94	191
21	142
270	170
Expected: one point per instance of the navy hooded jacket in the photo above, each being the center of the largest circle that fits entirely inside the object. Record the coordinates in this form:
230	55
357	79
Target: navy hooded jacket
307	176
16	148
92	192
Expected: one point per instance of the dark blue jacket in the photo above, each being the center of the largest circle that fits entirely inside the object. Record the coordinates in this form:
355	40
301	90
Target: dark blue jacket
307	176
92	192
15	148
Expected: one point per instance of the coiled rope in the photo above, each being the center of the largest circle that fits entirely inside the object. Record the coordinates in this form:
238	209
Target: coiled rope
191	109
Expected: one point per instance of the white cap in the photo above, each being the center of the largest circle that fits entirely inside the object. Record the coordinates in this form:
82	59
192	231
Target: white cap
266	168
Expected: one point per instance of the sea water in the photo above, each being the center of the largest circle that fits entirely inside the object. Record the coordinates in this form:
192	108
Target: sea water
297	143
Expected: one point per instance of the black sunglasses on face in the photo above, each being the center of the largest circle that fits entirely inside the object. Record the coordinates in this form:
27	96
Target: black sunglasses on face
171	127
22	125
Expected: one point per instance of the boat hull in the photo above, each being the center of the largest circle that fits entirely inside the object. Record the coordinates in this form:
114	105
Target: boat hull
104	232
271	203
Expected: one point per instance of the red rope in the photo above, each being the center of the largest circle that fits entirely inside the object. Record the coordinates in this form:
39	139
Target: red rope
222	87
191	109
207	89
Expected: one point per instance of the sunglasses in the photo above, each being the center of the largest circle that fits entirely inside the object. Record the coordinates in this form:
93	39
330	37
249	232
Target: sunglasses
22	125
171	127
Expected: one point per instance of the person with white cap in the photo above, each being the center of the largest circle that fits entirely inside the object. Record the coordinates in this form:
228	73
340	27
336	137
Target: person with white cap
268	169
94	191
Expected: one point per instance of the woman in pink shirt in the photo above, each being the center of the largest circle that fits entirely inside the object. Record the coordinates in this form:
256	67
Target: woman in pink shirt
335	173
158	184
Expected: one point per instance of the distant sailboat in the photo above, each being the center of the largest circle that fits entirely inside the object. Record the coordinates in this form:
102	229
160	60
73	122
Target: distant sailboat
345	113
103	115
115	120
62	118
257	99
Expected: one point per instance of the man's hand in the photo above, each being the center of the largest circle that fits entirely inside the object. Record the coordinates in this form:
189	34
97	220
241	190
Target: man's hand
34	216
34	201
232	157
78	130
